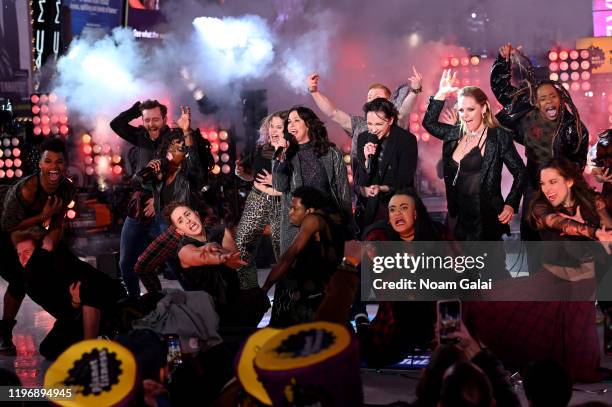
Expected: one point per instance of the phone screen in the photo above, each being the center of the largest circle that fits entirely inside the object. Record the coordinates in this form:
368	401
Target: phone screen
449	319
174	350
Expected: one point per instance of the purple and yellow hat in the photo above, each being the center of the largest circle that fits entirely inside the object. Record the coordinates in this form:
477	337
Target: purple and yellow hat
306	364
98	372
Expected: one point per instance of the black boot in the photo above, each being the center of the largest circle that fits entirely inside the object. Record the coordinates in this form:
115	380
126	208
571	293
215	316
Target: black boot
7	348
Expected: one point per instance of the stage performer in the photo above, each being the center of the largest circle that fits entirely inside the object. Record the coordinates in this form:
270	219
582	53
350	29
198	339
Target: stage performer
543	118
473	154
404	99
263	205
73	292
143	222
209	258
306	266
387	161
309	159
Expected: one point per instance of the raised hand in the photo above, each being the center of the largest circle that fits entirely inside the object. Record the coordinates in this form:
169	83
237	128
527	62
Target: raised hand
416	80
506	50
156	165
184	121
446	84
312	81
277	142
602	177
450	116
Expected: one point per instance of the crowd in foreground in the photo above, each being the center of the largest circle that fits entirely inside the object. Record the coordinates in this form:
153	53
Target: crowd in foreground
200	345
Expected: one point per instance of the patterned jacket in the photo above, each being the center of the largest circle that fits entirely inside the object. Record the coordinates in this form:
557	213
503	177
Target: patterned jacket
566	142
286	177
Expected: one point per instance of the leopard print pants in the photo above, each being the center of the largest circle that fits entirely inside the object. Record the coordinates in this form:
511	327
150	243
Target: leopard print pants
260	209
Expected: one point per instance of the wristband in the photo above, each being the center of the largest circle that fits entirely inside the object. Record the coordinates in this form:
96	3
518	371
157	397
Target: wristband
417	90
312	89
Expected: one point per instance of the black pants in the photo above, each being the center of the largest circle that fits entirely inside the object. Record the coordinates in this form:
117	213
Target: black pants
48	277
10	269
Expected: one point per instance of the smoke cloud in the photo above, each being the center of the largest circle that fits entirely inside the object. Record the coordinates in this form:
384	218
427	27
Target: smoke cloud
275	44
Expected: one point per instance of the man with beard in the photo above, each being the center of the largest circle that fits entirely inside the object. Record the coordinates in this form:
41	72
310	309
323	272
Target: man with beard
33	206
143	223
141	220
544	119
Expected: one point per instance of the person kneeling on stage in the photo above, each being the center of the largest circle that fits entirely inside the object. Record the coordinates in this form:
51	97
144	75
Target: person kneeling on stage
304	270
35	205
77	295
209	259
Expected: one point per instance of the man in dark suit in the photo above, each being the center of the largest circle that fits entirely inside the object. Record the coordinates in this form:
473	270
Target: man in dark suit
387	160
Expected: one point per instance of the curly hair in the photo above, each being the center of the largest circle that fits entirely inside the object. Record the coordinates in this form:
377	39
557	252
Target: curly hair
529	88
316	131
311	197
264	128
162	149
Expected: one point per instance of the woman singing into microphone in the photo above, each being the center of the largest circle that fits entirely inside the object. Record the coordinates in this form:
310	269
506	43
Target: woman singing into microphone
262	206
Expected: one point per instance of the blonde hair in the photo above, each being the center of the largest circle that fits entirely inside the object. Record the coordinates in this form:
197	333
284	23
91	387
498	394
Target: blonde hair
481	98
264	128
380	86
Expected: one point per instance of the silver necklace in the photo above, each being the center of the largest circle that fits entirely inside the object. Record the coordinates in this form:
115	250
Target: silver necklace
468	138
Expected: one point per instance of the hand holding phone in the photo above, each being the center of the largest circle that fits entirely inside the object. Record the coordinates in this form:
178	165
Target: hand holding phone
174	357
449	320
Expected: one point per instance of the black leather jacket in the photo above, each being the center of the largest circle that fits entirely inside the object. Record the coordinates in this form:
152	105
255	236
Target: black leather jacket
499	150
565	143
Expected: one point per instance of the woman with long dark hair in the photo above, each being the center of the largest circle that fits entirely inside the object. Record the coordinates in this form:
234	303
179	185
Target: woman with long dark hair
473	154
309	159
553	315
566	207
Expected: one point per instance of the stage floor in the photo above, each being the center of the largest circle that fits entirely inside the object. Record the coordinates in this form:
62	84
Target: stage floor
380	387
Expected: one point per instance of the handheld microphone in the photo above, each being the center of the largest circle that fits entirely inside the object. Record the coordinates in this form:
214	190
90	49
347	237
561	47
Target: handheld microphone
371	139
148	173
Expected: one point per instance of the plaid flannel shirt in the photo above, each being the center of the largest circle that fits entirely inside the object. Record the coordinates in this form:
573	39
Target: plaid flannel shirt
163	248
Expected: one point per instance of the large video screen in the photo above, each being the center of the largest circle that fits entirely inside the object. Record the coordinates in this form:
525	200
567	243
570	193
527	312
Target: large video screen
94	15
15	50
143	16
